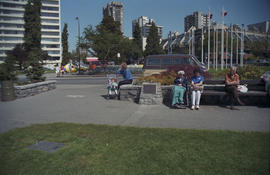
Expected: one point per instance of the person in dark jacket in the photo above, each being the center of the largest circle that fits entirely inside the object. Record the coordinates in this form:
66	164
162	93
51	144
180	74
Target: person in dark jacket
180	86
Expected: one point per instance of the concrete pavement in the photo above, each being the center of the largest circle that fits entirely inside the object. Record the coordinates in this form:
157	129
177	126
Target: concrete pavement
84	103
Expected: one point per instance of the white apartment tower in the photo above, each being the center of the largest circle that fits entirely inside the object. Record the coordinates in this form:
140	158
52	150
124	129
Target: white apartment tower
12	27
197	19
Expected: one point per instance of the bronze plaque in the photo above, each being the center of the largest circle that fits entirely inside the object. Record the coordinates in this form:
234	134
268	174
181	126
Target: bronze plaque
149	88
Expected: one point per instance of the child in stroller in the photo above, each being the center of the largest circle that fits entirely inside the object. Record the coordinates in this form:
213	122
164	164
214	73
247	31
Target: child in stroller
112	86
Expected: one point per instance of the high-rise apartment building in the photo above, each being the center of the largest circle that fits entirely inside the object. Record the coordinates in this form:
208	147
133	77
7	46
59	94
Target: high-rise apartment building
12	27
115	9
145	23
197	19
262	27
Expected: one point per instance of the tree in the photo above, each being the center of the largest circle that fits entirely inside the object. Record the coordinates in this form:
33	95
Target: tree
19	54
32	40
137	42
104	41
32	25
65	54
153	42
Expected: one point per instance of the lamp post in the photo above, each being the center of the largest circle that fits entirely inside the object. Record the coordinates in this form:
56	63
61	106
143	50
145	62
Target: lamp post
79	55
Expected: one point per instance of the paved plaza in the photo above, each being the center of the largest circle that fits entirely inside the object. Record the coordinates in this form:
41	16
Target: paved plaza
84	102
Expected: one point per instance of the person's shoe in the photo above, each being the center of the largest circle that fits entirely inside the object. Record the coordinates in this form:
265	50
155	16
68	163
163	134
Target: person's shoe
175	106
234	108
240	102
181	106
192	107
197	107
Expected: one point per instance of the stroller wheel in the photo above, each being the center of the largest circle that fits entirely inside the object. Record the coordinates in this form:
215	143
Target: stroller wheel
108	97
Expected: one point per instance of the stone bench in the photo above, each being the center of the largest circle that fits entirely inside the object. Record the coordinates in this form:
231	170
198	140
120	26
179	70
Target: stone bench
213	94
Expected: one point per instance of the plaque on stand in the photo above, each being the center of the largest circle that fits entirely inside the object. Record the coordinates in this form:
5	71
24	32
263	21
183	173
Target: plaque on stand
151	94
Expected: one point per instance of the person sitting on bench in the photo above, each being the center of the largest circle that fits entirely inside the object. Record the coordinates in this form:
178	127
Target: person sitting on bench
196	88
180	86
231	83
127	76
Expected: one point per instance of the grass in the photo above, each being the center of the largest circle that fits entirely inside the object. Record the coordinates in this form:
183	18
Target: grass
99	149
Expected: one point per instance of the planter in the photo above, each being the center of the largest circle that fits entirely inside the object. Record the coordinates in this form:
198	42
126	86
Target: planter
7	89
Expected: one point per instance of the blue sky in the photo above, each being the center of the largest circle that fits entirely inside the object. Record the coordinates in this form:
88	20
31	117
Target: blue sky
167	13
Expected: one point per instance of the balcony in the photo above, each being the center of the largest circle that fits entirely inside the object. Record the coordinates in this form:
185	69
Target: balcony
12	28
12	35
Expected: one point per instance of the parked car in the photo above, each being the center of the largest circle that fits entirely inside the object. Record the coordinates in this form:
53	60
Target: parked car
160	63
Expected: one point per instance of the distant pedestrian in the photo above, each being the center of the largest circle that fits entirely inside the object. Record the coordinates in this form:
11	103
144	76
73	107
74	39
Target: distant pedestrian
127	76
62	70
180	86
231	83
57	70
196	87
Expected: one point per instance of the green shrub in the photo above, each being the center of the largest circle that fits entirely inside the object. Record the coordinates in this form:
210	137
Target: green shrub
250	72
247	72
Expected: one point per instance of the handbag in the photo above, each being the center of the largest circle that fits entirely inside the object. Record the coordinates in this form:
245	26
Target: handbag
199	88
242	88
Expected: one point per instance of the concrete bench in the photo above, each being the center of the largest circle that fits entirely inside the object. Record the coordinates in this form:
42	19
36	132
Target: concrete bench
213	94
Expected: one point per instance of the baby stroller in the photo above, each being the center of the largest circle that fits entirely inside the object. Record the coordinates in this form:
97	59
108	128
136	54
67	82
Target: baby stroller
112	86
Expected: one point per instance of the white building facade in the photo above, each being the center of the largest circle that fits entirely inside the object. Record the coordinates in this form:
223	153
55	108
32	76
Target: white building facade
12	27
145	24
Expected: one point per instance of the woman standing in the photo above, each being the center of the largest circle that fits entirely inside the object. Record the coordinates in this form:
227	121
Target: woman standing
196	87
180	86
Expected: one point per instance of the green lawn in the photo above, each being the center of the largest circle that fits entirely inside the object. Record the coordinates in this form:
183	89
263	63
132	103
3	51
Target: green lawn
99	149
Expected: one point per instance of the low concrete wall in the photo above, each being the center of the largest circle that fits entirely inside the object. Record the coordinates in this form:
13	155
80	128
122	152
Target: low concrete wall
34	89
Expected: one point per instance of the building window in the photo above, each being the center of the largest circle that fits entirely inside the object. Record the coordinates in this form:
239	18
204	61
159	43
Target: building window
153	61
50	8
166	61
49	14
50	46
49	27
11	32
12	12
50	2
53	52
50	33
50	39
55	21
176	61
9	5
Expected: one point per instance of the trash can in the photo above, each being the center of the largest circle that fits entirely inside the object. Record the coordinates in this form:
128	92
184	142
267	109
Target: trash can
7	91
